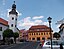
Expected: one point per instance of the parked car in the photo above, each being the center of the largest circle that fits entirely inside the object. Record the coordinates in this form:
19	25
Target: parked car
1	42
55	44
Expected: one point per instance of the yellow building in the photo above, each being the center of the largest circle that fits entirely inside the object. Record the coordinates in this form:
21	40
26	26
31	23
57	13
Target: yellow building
39	33
21	34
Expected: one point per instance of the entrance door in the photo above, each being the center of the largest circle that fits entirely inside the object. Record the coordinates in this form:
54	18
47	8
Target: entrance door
38	38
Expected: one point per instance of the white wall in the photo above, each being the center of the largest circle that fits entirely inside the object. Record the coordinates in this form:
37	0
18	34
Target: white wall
14	22
3	28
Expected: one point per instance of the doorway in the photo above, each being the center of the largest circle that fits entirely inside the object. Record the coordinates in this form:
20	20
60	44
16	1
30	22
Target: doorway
38	38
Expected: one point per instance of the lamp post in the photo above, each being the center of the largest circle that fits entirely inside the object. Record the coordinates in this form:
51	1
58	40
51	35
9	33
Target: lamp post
49	20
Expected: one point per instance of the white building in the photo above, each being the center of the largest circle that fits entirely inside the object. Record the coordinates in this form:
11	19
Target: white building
11	24
13	19
62	31
3	26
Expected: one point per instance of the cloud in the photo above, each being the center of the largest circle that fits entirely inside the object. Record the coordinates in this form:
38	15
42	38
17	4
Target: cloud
19	14
38	21
45	23
38	17
27	22
57	28
8	10
58	25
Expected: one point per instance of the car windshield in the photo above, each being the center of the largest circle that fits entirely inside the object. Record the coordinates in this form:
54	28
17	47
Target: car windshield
53	43
61	43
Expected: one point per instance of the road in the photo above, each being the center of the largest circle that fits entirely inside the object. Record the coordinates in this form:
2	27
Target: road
25	45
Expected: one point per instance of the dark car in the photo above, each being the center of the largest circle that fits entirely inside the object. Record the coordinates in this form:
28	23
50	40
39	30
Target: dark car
1	42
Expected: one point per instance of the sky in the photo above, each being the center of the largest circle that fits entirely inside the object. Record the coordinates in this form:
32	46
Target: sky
34	12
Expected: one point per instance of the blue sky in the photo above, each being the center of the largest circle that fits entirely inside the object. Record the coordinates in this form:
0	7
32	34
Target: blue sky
34	12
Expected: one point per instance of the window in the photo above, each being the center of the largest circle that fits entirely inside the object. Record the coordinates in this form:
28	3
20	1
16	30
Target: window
43	38
29	38
44	33
11	25
38	38
15	25
20	35
36	33
16	19
0	28
49	38
47	33
30	33
33	38
41	33
12	18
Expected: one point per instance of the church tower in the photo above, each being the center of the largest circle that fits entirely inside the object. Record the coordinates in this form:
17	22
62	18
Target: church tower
13	18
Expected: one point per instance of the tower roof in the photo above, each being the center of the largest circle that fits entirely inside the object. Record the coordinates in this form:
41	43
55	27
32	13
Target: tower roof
13	11
14	6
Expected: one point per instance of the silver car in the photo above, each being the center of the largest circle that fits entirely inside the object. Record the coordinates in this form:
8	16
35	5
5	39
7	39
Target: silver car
55	44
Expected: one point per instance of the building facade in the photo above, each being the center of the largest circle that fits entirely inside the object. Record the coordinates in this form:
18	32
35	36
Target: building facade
39	33
3	26
62	31
23	35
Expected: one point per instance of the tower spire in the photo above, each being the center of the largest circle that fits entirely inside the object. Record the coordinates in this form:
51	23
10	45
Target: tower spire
14	6
13	11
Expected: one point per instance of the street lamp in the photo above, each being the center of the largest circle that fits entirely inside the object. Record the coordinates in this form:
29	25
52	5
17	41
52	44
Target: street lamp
49	20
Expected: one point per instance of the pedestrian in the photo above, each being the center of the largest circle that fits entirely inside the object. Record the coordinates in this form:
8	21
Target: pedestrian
61	46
